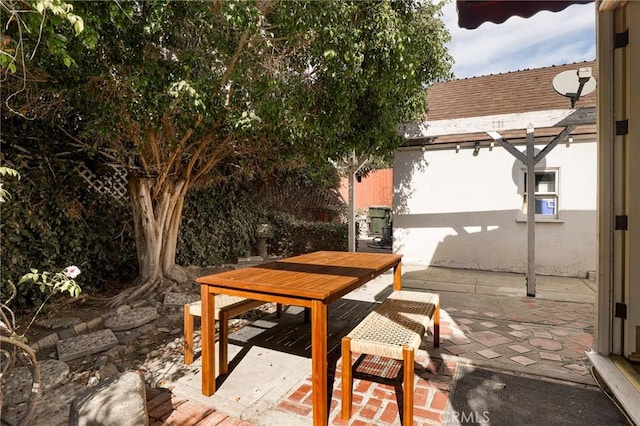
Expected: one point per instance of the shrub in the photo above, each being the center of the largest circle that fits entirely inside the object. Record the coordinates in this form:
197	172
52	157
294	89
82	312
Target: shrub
53	219
220	222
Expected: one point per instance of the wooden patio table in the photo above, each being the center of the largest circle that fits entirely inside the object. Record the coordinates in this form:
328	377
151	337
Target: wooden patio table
311	280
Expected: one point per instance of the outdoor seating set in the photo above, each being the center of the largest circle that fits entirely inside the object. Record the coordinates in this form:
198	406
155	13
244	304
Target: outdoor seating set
394	329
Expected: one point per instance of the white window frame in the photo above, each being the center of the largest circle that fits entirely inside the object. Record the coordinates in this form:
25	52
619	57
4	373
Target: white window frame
548	196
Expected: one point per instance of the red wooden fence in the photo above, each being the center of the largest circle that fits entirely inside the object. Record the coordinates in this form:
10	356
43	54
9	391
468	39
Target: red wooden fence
376	189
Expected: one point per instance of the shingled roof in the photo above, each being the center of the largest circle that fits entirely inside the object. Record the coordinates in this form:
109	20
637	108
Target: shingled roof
509	93
512	92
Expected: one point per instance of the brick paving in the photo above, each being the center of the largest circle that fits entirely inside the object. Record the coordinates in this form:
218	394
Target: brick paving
530	335
375	392
166	409
520	334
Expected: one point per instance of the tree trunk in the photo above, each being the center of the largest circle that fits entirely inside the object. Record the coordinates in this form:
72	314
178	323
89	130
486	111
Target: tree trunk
156	216
169	267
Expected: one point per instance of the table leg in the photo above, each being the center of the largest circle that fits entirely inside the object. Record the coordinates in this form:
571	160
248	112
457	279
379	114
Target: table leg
319	369
436	325
208	330
408	357
397	277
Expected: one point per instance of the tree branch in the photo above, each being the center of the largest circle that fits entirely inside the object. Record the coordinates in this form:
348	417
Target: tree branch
234	59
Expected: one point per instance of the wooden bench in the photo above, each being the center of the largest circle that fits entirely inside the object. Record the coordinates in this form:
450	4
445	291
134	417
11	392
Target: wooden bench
226	307
392	330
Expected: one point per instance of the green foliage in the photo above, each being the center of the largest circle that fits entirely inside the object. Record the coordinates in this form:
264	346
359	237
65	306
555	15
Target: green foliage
319	78
53	219
221	221
4	171
35	38
370	64
54	282
33	24
176	89
298	237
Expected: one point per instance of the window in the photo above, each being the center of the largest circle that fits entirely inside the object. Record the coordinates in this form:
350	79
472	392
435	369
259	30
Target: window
546	193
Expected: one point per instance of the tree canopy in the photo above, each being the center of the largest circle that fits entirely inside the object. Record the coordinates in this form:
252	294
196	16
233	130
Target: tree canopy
170	90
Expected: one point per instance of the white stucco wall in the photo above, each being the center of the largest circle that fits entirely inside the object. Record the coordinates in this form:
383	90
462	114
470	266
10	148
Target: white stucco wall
456	210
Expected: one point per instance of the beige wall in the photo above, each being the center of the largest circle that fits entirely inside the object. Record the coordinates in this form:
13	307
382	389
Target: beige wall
456	210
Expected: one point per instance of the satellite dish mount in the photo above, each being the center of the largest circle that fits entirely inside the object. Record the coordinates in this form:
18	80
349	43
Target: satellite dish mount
574	84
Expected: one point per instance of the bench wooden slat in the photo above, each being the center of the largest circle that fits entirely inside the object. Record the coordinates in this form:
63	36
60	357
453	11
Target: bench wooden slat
392	330
226	307
401	320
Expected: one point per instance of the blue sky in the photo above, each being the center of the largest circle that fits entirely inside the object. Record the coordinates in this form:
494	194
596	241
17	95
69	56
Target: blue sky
543	40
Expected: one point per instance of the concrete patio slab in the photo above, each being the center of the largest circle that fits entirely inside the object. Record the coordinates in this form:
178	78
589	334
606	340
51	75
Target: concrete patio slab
258	379
439	286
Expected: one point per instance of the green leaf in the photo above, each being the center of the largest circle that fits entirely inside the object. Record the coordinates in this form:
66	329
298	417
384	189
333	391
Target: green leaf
78	26
328	54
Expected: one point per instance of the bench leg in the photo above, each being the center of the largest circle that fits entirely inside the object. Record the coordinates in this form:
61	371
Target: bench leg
347	378
278	310
188	335
436	326
407	400
223	341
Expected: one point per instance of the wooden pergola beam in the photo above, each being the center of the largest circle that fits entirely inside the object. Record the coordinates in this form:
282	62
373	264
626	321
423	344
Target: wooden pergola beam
501	122
492	125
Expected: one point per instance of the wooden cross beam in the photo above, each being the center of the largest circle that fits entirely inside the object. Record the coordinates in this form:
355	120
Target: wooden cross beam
501	122
530	159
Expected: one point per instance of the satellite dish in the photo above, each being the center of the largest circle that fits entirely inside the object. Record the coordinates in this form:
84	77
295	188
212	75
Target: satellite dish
574	83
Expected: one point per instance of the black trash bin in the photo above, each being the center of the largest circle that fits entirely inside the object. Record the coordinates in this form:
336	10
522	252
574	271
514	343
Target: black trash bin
379	218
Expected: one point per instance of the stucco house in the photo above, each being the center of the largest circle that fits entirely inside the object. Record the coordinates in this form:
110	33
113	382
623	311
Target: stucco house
616	351
460	195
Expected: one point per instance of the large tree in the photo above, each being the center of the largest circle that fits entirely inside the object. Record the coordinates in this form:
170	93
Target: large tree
170	90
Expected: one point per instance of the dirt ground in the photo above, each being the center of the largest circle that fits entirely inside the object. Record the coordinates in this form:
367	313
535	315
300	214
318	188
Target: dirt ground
94	303
91	305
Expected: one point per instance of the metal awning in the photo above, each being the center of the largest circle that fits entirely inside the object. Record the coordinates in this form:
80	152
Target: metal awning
473	13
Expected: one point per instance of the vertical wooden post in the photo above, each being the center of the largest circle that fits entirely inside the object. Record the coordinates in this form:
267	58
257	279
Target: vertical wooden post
407	403
188	335
397	277
632	141
208	303
319	366
223	341
606	331
436	324
347	379
531	214
352	209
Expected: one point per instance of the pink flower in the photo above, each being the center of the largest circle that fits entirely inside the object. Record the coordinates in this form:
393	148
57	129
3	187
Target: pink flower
72	271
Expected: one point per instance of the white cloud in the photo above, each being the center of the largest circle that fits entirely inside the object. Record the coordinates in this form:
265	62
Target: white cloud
543	40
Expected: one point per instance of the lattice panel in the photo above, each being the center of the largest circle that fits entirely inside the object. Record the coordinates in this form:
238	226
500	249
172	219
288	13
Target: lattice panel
114	185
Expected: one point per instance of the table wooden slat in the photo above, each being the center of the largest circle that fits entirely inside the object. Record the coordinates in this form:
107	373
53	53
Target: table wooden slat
320	275
312	280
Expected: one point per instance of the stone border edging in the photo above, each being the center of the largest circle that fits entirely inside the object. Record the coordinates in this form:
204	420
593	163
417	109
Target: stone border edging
51	340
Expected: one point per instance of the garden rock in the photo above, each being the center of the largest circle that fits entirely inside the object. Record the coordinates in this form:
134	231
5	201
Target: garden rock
18	387
118	401
179	299
59	323
131	319
86	344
